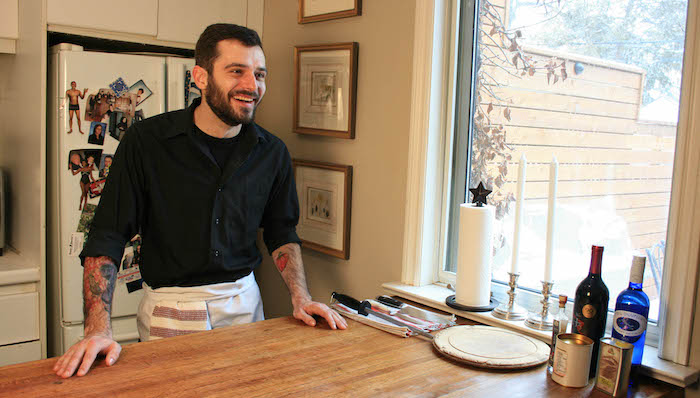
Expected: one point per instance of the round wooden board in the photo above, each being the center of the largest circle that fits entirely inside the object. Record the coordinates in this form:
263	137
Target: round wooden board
490	347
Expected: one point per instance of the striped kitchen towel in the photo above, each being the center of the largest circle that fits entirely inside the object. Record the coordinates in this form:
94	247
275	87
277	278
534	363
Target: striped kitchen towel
175	318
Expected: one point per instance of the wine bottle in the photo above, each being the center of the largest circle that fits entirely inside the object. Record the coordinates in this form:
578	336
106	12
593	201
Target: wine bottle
559	325
632	312
591	306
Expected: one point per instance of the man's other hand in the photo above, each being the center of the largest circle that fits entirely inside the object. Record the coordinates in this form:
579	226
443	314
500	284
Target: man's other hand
84	352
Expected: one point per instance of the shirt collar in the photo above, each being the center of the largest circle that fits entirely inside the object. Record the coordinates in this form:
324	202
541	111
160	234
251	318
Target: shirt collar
184	121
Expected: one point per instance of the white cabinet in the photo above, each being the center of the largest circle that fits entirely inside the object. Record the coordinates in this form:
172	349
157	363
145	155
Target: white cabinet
166	21
184	20
125	16
21	312
9	26
8	19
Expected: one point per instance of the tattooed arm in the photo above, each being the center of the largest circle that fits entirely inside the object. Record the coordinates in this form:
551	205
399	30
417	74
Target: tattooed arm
99	279
287	258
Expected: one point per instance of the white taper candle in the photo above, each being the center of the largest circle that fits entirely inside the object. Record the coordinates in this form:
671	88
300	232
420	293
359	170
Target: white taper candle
520	197
551	219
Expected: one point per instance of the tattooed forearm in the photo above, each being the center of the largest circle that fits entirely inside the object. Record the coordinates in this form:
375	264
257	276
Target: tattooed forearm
289	263
281	261
99	280
109	273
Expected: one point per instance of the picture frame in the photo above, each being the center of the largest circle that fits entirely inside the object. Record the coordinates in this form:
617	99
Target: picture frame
325	202
325	89
324	10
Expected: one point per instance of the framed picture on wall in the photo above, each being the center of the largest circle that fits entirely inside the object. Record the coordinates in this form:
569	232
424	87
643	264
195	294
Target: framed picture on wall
325	85
324	10
325	193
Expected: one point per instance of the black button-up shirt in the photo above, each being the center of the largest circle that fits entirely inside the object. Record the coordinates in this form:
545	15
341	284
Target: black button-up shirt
198	223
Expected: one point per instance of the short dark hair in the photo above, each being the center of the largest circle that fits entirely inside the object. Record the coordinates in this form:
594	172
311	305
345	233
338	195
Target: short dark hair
205	51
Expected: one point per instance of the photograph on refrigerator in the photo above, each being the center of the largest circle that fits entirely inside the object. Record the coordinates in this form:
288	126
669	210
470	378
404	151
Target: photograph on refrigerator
82	162
97	133
86	217
129	272
105	165
99	104
191	90
141	90
73	95
119	122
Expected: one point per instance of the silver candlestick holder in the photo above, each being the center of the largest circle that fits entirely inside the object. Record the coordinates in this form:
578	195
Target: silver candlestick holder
510	311
542	320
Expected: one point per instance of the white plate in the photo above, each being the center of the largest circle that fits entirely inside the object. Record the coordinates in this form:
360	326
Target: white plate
490	347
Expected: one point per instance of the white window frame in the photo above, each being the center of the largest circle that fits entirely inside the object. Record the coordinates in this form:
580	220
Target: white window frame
430	164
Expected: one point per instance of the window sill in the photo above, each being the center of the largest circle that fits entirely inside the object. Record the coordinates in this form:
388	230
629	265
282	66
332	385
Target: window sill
434	296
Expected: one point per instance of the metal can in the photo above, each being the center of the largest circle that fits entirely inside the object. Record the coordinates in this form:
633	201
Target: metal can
572	360
614	365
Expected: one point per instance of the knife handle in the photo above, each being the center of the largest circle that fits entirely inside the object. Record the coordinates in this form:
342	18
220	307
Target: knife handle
390	301
360	307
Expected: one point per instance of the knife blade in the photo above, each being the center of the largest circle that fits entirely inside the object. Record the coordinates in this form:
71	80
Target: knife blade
414	312
365	308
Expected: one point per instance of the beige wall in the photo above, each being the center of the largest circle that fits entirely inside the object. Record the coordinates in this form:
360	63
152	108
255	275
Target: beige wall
22	126
378	154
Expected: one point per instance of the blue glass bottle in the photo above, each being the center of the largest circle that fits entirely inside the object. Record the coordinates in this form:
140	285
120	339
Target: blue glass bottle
632	312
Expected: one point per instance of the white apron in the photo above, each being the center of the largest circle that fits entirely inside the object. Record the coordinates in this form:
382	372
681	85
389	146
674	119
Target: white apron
174	311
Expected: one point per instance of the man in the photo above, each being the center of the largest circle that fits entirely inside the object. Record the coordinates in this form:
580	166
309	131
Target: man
197	184
73	106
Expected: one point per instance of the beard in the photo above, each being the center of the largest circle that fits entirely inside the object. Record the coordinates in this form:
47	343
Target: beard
220	104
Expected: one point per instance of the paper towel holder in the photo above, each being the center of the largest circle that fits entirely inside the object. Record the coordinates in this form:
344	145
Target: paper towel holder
450	301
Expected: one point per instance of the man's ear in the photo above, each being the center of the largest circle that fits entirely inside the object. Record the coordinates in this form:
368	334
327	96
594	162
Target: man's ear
200	76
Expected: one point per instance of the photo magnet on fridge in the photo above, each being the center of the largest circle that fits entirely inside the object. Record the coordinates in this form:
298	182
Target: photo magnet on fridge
86	219
97	133
141	90
100	105
82	162
119	86
130	272
192	92
119	122
96	188
72	96
105	164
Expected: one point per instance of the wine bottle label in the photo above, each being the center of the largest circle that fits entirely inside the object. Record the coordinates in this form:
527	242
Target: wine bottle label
629	324
589	311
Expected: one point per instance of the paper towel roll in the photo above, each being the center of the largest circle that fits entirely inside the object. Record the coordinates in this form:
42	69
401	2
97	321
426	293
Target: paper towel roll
474	255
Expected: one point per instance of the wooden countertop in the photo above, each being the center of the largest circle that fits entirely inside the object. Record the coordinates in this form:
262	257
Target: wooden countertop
281	357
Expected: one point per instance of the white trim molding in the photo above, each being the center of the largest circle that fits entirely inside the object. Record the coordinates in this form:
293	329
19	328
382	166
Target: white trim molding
431	112
680	277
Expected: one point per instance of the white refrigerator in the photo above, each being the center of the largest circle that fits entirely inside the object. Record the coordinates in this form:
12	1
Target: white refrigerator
100	94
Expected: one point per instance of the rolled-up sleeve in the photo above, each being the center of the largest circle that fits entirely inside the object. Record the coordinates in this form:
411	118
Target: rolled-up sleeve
118	215
282	209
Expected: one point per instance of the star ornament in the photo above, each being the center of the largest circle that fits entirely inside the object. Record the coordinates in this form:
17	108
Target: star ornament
479	194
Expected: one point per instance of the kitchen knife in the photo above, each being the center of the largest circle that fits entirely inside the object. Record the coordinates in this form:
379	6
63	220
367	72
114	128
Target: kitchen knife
407	309
365	308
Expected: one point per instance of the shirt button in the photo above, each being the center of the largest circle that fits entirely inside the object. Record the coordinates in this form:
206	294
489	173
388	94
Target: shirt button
217	221
220	189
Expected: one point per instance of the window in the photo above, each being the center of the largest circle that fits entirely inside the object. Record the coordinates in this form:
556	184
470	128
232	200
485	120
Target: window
438	153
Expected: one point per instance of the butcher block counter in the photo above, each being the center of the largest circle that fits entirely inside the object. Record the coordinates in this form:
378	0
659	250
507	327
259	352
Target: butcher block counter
282	357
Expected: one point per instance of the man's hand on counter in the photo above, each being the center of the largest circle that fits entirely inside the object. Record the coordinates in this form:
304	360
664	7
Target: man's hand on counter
84	353
99	279
304	312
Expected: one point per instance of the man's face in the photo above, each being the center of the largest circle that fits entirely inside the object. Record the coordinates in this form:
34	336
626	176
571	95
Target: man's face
236	84
108	162
72	85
